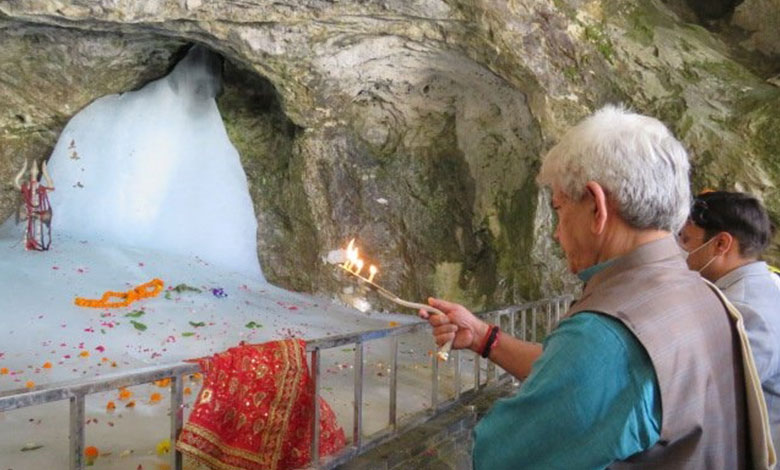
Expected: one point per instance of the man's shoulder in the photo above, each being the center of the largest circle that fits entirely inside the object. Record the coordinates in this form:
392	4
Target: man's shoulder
589	330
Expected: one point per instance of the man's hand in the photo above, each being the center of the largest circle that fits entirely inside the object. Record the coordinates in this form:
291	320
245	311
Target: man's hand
459	323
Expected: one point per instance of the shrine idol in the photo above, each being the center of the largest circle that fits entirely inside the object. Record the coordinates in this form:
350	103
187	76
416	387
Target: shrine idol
35	207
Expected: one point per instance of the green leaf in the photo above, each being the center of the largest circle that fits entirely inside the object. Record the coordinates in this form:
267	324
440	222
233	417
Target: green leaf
197	324
31	446
138	325
253	324
184	288
135	314
188	333
168	295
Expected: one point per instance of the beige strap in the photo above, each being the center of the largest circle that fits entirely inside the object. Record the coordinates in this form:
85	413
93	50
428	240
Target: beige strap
762	451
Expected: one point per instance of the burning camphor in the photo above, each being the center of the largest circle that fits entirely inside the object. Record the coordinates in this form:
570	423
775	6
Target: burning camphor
354	266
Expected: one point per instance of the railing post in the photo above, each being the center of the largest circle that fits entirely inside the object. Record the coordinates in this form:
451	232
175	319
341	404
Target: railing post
357	427
434	381
477	371
523	325
177	418
534	311
490	370
513	330
548	317
315	425
394	384
76	434
456	356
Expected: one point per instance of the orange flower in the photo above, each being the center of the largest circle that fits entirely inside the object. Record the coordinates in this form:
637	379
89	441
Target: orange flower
105	359
394	323
113	364
47	365
110	406
187	390
148	289
196	376
155	398
3	370
163	382
124	393
29	384
91	452
84	353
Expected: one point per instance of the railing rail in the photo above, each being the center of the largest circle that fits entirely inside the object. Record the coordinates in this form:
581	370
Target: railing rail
76	390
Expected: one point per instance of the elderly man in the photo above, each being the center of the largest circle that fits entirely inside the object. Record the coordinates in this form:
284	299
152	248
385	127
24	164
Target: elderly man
645	370
724	237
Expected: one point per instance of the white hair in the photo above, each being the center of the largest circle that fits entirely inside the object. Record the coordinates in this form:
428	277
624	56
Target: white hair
635	158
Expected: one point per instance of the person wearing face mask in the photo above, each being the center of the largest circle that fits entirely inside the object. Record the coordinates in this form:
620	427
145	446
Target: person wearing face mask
646	370
724	236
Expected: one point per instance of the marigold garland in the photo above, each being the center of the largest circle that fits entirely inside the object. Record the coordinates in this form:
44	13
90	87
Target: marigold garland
148	289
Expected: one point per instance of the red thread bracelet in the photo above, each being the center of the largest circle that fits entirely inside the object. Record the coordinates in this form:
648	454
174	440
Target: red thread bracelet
492	340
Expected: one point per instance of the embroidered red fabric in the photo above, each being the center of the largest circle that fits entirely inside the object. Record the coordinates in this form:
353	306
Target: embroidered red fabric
254	411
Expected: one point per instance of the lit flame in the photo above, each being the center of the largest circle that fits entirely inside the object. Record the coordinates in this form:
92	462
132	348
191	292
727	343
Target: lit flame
351	255
354	264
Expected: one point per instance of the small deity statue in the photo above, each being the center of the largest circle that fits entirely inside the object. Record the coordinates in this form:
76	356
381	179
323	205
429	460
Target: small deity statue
36	208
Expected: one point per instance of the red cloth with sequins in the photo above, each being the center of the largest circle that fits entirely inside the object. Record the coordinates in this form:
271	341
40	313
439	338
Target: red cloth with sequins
254	411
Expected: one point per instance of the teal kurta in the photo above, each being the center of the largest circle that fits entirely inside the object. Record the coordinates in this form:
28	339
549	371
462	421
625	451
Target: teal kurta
592	398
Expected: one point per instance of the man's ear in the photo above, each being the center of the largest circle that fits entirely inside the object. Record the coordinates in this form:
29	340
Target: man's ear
724	242
600	213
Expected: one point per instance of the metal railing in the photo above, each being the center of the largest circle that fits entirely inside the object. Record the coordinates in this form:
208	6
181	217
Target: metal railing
508	318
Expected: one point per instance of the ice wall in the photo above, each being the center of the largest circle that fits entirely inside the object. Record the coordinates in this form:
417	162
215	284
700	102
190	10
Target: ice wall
155	168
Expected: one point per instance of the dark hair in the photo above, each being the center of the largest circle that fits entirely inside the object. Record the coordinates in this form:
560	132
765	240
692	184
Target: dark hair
739	214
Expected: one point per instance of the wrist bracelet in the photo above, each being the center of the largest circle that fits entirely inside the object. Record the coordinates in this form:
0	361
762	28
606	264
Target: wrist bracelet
492	340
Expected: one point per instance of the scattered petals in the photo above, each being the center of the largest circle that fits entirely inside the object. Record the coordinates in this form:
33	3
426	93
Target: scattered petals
110	406
155	398
124	393
3	370
46	365
84	353
163	447
163	382
29	384
91	454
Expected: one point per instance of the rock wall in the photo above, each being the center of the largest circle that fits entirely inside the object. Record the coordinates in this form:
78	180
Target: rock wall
416	126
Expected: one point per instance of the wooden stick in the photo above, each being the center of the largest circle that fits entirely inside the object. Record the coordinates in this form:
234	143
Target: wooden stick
444	351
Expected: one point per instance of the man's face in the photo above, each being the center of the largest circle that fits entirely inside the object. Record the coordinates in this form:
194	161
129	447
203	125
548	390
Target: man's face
692	239
573	230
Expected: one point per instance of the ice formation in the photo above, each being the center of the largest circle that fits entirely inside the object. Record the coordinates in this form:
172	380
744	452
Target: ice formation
155	168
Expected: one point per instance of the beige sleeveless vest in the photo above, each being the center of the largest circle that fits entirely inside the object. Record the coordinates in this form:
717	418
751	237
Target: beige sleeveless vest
694	349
